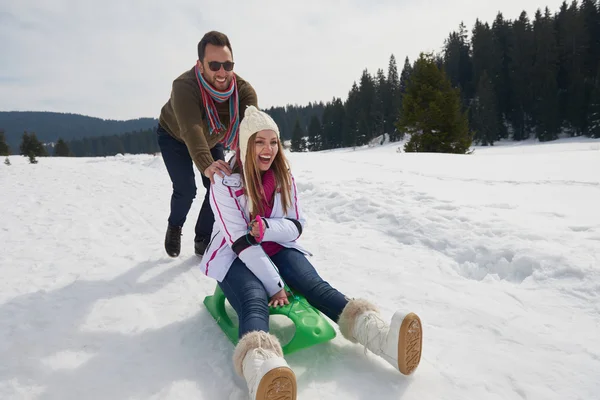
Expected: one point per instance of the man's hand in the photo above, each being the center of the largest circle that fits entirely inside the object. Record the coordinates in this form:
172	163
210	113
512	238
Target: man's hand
218	167
280	298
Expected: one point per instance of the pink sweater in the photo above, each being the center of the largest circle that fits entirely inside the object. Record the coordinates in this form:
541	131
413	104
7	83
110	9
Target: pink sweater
269	183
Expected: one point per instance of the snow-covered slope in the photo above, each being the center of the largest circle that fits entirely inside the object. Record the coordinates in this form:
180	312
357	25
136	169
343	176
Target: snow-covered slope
498	252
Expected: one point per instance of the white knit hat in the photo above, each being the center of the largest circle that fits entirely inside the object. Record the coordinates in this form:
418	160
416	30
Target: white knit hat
254	121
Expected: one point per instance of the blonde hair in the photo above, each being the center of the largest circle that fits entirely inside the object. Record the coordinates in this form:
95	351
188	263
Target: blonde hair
253	181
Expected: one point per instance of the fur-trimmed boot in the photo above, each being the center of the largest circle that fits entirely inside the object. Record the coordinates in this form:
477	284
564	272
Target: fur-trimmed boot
399	343
258	358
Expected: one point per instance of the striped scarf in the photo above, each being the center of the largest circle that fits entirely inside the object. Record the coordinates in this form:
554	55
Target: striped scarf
209	96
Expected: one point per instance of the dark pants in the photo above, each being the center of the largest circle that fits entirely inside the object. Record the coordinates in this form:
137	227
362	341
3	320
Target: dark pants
181	170
249	299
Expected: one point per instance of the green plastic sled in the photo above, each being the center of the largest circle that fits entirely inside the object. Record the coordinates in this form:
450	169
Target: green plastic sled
311	327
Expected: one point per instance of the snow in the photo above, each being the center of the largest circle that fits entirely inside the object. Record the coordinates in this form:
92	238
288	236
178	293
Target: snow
498	252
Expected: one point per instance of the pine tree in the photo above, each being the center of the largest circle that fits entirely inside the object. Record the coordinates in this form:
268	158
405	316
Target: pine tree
482	50
381	96
457	61
392	100
407	71
326	123
314	134
351	112
61	149
367	101
545	87
590	19
485	113
500	73
571	51
362	127
333	123
520	77
31	147
594	109
432	112
339	116
563	24
297	137
27	148
4	149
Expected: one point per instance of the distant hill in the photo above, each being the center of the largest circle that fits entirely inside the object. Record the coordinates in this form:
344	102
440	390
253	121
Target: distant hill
49	126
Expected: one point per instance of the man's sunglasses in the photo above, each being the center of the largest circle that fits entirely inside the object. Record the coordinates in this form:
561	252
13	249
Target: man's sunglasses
215	65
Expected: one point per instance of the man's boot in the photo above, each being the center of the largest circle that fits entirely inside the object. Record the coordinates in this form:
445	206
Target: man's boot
200	246
173	240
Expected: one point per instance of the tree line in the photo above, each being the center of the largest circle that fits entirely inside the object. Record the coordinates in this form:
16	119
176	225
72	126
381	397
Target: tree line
530	79
373	107
143	141
513	79
50	126
516	80
139	142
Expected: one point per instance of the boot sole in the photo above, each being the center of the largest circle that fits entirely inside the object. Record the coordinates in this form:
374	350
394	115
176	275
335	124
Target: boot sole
277	384
410	342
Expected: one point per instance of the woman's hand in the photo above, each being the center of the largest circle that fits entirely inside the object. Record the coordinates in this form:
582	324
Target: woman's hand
255	226
280	298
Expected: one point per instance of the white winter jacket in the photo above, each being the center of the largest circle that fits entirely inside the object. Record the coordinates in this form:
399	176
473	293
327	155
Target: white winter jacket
230	237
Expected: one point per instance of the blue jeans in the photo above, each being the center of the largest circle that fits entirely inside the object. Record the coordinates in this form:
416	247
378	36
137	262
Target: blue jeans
249	299
180	166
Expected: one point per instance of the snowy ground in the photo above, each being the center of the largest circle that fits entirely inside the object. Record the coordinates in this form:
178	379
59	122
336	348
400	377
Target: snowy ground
498	252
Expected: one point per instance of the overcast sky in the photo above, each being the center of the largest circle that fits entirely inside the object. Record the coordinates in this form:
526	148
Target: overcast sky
116	59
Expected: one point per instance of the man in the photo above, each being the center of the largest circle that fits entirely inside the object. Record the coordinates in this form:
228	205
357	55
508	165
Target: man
201	120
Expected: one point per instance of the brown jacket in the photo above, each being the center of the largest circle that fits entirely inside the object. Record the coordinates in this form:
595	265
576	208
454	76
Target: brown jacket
184	116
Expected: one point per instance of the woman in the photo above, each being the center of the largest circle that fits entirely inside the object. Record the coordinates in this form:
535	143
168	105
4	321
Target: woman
255	249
